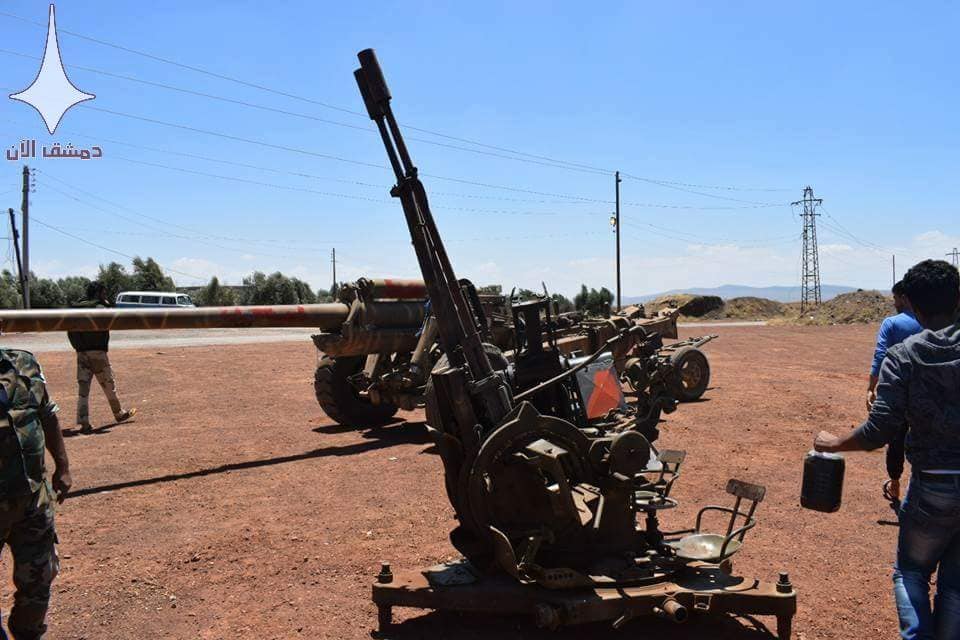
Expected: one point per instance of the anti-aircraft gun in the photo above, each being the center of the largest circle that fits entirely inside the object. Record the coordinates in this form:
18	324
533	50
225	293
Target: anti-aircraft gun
546	503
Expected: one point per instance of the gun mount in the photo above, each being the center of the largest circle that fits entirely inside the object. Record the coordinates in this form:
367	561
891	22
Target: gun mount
547	499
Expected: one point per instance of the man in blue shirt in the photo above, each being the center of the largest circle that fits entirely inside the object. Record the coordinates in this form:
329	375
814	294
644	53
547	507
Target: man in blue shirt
920	386
893	330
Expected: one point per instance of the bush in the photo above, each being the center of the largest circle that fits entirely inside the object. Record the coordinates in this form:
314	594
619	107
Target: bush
74	289
9	291
215	295
593	302
276	289
45	294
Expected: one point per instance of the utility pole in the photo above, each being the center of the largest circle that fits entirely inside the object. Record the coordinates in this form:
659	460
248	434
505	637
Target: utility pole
25	211
810	280
617	227
333	261
954	257
16	248
894	268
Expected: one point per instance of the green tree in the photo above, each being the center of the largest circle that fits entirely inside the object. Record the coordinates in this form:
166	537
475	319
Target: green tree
563	303
276	289
115	278
149	276
74	289
215	295
599	302
9	291
490	290
581	299
304	293
45	293
526	294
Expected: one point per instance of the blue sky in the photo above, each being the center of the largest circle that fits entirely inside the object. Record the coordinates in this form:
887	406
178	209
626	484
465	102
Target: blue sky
856	99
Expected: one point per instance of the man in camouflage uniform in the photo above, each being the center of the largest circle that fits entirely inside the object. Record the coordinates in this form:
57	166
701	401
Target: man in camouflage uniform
93	361
28	426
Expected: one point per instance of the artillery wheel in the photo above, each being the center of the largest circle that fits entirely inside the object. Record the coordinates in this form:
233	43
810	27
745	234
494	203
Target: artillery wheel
692	371
496	492
340	400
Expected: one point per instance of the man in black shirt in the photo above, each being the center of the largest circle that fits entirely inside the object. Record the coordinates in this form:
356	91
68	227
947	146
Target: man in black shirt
93	361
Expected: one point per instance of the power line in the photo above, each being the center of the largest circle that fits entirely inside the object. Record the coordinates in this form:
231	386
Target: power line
324	193
845	233
573	198
676	186
569	197
305	116
540	159
162	221
165	233
108	249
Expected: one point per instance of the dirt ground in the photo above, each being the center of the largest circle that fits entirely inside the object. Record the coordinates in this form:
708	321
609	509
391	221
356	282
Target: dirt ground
232	507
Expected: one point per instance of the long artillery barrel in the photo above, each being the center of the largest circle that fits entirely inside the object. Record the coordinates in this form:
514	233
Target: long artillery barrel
373	316
322	316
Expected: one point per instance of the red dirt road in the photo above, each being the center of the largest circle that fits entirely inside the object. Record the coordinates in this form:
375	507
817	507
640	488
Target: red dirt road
232	507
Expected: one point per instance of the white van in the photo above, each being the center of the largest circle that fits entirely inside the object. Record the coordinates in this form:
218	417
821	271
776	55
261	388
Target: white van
153	299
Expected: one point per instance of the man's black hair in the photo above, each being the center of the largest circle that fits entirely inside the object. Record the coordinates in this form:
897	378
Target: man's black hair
933	287
898	289
94	289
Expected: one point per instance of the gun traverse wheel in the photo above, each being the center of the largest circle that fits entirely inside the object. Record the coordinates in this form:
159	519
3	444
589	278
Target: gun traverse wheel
692	373
340	400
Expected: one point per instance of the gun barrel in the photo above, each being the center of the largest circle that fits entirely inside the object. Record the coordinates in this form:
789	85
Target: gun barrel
326	317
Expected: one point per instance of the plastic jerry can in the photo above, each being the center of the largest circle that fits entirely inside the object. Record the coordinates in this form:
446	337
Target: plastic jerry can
822	488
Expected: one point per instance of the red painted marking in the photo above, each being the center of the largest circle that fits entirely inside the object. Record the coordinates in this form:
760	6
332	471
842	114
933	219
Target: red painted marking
605	395
403	289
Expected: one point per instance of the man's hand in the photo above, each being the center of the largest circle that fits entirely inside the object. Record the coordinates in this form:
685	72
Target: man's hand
826	441
871	398
893	489
62	483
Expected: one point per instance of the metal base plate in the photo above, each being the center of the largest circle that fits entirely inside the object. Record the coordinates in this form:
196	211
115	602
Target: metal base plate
701	590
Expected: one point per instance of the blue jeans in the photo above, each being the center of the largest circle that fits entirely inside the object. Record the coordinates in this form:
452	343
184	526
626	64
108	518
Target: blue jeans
929	540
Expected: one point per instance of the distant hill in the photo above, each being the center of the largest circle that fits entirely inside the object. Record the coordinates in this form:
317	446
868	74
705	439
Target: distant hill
727	291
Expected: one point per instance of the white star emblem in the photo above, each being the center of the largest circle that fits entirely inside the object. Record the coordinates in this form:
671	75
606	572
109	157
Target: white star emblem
52	93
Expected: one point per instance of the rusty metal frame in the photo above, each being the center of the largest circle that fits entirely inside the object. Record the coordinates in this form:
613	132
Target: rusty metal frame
700	590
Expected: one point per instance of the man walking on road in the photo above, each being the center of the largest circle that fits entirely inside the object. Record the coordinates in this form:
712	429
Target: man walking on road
919	385
28	427
93	361
893	330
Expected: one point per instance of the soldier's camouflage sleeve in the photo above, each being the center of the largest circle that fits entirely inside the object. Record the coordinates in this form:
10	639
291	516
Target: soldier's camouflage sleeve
47	407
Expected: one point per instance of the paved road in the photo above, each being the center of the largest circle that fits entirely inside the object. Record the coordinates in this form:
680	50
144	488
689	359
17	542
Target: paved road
47	342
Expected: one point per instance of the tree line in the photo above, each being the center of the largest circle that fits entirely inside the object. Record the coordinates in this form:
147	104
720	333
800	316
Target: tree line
148	275
258	289
589	301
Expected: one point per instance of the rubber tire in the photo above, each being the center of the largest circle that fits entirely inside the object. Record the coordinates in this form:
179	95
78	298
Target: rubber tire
340	400
497	361
678	359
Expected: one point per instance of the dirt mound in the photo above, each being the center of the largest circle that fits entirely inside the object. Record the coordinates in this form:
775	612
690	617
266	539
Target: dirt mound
850	308
691	306
751	308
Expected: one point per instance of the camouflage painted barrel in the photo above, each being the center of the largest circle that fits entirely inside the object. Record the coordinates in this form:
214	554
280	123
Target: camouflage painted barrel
321	316
392	289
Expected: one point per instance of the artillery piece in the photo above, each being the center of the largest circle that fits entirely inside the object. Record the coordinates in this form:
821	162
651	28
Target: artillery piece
377	343
547	499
